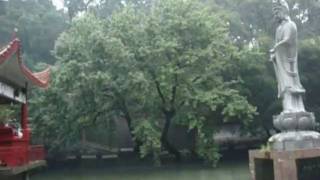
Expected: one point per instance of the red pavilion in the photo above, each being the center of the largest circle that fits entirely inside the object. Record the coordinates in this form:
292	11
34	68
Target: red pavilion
17	156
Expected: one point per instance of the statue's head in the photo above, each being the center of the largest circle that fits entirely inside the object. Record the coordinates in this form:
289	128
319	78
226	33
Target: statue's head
280	10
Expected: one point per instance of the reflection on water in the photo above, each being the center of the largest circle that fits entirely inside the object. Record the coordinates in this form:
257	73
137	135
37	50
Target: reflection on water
228	170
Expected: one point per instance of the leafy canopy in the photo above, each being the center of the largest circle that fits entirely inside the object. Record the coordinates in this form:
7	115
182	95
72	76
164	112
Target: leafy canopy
173	63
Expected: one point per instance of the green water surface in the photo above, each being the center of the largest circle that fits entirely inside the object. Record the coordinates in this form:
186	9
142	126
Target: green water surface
232	170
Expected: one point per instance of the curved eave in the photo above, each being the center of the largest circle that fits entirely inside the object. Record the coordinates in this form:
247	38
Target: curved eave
16	72
40	79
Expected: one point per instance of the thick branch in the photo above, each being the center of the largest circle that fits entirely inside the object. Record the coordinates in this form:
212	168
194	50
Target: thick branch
160	92
126	113
174	90
95	118
164	136
163	99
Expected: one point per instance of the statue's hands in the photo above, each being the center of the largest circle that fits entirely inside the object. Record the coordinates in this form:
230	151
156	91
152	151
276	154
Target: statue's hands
272	55
272	51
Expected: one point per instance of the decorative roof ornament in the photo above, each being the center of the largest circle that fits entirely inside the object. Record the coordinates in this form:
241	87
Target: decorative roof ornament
14	34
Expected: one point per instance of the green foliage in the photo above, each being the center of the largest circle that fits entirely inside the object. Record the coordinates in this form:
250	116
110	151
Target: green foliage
172	63
259	86
75	99
265	148
6	112
207	151
146	132
309	54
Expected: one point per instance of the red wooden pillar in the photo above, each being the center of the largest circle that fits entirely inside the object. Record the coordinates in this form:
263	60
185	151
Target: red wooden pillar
25	131
24	116
25	122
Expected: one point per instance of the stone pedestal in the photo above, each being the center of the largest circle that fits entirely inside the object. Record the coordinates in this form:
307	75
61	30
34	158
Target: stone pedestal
294	140
295	152
296	132
290	121
285	165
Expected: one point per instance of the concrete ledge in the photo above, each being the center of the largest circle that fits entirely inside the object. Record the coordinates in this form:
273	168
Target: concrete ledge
11	171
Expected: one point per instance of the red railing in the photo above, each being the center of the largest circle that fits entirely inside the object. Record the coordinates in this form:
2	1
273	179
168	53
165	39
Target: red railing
14	156
36	153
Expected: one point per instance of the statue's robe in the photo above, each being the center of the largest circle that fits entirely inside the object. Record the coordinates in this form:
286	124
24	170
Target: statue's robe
286	67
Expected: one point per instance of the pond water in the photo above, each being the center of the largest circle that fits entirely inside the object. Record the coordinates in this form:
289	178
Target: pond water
228	170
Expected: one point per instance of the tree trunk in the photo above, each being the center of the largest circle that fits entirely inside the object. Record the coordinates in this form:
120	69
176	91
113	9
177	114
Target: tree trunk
192	134
137	143
164	136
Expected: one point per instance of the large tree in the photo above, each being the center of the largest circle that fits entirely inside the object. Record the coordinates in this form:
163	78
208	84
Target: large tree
172	63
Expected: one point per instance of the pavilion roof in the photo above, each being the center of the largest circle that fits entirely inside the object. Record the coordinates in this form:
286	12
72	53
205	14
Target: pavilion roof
14	72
